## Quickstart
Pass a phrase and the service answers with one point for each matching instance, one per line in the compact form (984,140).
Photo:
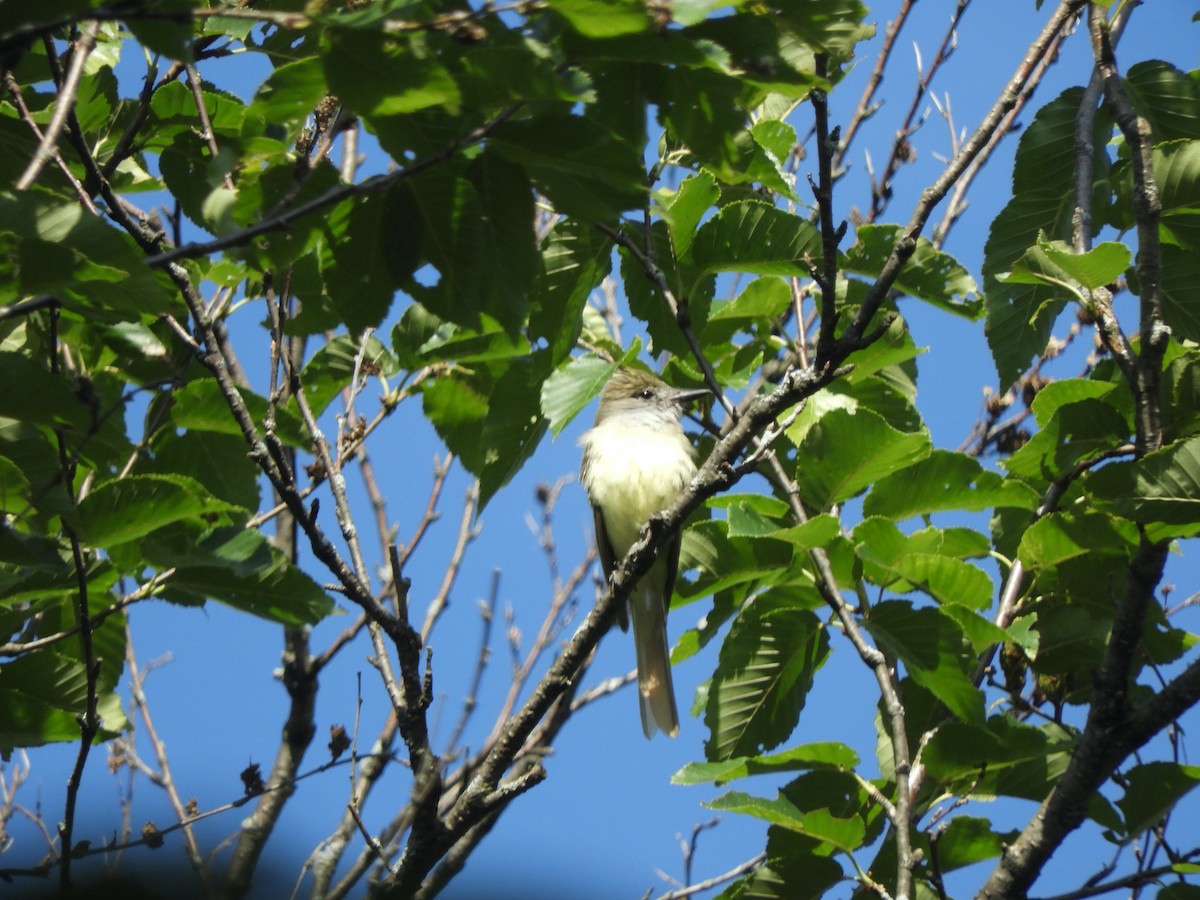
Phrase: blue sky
(607,817)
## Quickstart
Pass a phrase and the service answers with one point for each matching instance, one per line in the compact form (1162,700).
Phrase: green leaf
(967,840)
(929,275)
(944,481)
(702,110)
(381,75)
(420,338)
(1054,263)
(1058,394)
(217,461)
(1062,536)
(574,260)
(334,366)
(763,298)
(1167,97)
(457,410)
(240,568)
(1167,488)
(90,267)
(818,531)
(828,755)
(603,18)
(1018,759)
(779,811)
(845,452)
(1076,432)
(833,26)
(282,594)
(932,648)
(360,268)
(1177,171)
(1020,316)
(766,668)
(172,39)
(684,209)
(919,562)
(125,509)
(751,515)
(754,237)
(572,387)
(584,169)
(1180,291)
(200,405)
(1072,638)
(845,834)
(43,398)
(41,697)
(766,163)
(1152,790)
(475,226)
(290,92)
(796,866)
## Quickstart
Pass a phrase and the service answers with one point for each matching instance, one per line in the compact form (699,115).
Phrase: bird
(636,462)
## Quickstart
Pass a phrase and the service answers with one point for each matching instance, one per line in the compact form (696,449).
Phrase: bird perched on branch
(636,462)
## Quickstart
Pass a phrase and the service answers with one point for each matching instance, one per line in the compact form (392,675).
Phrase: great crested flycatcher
(636,462)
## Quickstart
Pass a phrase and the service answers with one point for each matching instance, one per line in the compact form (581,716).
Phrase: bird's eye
(645,393)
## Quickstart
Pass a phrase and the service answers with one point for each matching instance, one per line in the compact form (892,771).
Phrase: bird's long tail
(655,689)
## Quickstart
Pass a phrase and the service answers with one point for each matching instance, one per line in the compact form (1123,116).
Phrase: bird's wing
(670,554)
(608,562)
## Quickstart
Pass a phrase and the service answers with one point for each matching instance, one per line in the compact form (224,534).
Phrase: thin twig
(699,887)
(64,104)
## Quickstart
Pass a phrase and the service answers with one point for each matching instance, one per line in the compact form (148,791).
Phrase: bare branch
(64,105)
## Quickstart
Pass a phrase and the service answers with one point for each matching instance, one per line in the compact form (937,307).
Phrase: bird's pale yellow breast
(633,472)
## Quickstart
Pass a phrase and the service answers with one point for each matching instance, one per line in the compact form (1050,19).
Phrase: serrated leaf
(1167,489)
(603,18)
(932,648)
(1062,536)
(929,274)
(200,406)
(945,480)
(1167,97)
(125,509)
(38,396)
(382,75)
(574,260)
(333,367)
(844,453)
(968,839)
(1152,790)
(684,210)
(41,697)
(281,593)
(1180,291)
(1177,172)
(1054,263)
(290,92)
(779,811)
(754,237)
(1076,432)
(766,669)
(572,387)
(584,169)
(828,755)
(763,298)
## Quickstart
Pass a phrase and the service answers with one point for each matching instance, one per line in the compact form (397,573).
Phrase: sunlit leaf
(766,668)
(846,452)
(945,481)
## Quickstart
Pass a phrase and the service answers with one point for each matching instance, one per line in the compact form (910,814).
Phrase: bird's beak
(683,397)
